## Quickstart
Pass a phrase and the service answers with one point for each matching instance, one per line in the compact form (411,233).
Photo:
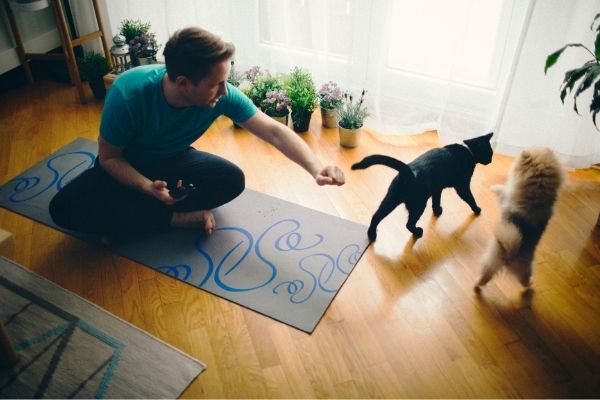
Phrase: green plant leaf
(552,58)
(590,76)
(594,21)
(595,104)
(571,77)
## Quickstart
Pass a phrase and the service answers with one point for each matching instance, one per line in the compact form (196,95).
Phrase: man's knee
(238,182)
(59,210)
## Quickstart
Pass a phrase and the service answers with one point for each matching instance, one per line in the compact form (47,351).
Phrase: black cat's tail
(382,160)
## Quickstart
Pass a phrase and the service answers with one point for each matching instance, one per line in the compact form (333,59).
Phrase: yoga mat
(272,256)
(69,347)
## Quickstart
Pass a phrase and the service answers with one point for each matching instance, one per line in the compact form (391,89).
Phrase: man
(151,116)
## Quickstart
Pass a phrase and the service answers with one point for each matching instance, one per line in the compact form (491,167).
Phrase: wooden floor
(405,324)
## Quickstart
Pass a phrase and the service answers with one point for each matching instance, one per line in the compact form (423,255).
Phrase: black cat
(427,176)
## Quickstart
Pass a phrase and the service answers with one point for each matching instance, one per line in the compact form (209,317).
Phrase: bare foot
(194,219)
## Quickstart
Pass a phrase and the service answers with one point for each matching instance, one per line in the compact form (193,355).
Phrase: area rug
(273,256)
(68,347)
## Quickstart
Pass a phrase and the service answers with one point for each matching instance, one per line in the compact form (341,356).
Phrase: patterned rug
(69,347)
(269,255)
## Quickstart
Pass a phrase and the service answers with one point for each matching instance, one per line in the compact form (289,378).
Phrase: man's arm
(294,148)
(111,159)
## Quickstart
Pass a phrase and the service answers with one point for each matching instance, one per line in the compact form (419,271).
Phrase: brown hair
(193,51)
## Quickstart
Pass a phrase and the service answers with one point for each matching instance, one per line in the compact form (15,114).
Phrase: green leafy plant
(588,73)
(352,113)
(142,42)
(92,66)
(262,85)
(300,89)
(130,28)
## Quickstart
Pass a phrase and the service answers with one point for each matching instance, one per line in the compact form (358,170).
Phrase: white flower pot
(329,117)
(349,137)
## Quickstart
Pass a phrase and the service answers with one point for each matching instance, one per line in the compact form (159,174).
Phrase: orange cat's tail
(378,159)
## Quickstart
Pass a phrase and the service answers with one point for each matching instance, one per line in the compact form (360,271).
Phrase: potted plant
(330,98)
(589,72)
(276,105)
(261,85)
(142,43)
(235,77)
(300,89)
(352,115)
(92,68)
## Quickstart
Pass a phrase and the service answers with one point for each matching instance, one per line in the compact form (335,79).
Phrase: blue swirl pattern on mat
(26,187)
(316,270)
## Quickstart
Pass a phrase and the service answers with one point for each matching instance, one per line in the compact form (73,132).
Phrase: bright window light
(449,40)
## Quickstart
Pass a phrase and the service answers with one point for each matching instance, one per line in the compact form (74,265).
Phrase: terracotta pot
(329,117)
(349,137)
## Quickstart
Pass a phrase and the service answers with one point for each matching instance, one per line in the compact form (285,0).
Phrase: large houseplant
(300,88)
(588,73)
(352,114)
(92,68)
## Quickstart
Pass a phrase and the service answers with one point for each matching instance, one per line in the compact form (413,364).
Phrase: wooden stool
(67,44)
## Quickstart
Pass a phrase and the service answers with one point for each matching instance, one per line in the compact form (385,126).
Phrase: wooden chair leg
(18,41)
(68,48)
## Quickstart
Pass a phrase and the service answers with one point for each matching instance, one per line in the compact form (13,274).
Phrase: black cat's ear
(489,136)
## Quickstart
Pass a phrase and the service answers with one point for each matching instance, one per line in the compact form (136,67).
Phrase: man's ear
(182,81)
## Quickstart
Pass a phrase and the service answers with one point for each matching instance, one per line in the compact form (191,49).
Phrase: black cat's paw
(476,210)
(372,234)
(417,232)
(437,211)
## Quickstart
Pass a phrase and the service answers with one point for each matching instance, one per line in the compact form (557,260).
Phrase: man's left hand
(331,175)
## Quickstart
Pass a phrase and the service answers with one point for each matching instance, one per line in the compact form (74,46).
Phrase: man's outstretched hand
(331,175)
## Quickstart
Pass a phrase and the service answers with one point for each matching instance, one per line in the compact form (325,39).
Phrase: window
(449,40)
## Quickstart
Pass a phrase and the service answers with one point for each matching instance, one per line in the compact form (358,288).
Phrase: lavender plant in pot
(352,114)
(235,78)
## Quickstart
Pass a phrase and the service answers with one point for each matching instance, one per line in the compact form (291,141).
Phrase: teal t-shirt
(136,115)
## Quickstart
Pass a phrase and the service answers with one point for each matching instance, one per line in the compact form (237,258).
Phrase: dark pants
(96,203)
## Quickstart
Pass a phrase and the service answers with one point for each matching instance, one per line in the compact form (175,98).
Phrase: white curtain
(534,114)
(463,67)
